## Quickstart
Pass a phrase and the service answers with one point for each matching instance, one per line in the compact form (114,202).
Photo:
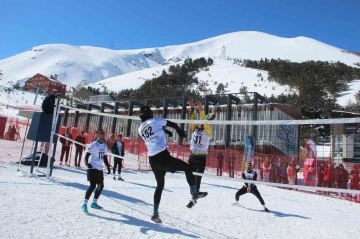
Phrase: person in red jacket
(291,173)
(320,172)
(355,178)
(220,164)
(342,177)
(79,148)
(65,149)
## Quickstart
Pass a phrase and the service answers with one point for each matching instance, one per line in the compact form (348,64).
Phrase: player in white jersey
(96,155)
(250,174)
(199,145)
(152,132)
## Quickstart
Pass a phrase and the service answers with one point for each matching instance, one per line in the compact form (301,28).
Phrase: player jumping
(153,134)
(199,145)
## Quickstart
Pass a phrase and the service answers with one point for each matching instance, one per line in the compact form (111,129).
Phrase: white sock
(95,200)
(264,206)
(86,201)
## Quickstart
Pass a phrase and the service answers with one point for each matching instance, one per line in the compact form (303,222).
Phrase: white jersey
(199,142)
(97,151)
(152,132)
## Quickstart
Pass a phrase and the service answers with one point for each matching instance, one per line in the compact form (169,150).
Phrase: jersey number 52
(147,133)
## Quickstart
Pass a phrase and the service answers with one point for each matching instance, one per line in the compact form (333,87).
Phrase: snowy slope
(73,64)
(222,71)
(35,207)
(84,63)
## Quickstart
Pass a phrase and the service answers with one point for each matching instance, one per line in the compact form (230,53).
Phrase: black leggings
(98,190)
(254,191)
(163,162)
(198,164)
(117,163)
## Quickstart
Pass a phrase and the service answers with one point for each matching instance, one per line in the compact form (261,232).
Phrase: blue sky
(150,23)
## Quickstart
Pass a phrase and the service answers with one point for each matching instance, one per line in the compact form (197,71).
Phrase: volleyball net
(315,155)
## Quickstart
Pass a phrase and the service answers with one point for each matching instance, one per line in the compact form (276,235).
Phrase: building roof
(50,79)
(343,114)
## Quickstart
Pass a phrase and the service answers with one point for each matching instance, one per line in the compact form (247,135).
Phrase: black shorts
(95,176)
(198,161)
(163,161)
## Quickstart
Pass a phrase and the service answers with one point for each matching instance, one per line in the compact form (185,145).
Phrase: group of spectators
(12,133)
(331,176)
(279,170)
(80,140)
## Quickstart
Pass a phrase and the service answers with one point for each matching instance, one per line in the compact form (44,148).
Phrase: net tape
(232,122)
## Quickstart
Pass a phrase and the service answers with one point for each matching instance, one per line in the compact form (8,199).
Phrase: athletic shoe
(267,210)
(191,203)
(95,206)
(84,209)
(202,194)
(120,178)
(114,178)
(156,218)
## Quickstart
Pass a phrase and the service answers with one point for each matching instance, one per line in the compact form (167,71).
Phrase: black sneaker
(155,218)
(120,178)
(202,194)
(114,178)
(191,203)
(267,210)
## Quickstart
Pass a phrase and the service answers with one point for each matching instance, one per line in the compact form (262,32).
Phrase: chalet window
(338,150)
(357,146)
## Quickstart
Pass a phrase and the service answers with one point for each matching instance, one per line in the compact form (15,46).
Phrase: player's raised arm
(210,116)
(192,113)
(182,133)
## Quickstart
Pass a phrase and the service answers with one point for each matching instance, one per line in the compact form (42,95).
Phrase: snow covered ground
(34,207)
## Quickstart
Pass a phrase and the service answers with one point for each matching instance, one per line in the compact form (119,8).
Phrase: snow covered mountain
(128,68)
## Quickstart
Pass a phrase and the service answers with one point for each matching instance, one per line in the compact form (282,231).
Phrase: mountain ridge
(74,64)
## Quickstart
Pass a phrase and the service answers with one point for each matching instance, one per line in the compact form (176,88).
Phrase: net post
(255,118)
(114,120)
(209,99)
(132,103)
(165,108)
(52,144)
(230,100)
(87,119)
(101,119)
(183,114)
(33,157)
(66,116)
(130,113)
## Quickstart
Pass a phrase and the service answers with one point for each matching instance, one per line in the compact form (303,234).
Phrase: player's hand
(181,133)
(89,165)
(169,133)
(191,102)
(249,189)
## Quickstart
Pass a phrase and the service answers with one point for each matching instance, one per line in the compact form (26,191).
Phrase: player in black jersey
(250,174)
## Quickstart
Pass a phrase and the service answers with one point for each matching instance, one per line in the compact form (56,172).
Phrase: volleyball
(210,116)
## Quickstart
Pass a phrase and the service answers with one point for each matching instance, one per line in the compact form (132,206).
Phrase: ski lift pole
(53,129)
